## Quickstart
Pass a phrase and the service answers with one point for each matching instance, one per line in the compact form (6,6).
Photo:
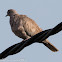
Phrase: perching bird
(25,28)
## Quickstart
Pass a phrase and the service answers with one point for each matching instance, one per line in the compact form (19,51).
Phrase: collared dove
(24,27)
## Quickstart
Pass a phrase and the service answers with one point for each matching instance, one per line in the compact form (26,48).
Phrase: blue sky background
(47,14)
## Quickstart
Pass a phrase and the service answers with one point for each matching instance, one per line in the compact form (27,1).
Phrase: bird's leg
(27,38)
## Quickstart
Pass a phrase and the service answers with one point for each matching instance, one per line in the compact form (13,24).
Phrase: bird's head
(11,12)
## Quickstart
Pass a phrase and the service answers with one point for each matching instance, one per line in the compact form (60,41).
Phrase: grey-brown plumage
(24,27)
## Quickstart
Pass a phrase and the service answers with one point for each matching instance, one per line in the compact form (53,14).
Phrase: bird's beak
(6,15)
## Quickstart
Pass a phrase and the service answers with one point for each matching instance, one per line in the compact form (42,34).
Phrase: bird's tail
(50,46)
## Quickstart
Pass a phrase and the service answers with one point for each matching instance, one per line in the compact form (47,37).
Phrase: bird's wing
(30,27)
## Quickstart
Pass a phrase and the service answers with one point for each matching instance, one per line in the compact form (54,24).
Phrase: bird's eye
(8,11)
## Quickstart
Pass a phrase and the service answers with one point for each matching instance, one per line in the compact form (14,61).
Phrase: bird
(25,27)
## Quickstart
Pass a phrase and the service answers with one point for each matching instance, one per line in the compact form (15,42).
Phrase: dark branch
(40,36)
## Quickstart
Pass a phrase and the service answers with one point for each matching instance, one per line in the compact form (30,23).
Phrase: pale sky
(47,14)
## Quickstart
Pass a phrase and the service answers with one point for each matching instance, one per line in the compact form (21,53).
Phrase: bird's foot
(26,39)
